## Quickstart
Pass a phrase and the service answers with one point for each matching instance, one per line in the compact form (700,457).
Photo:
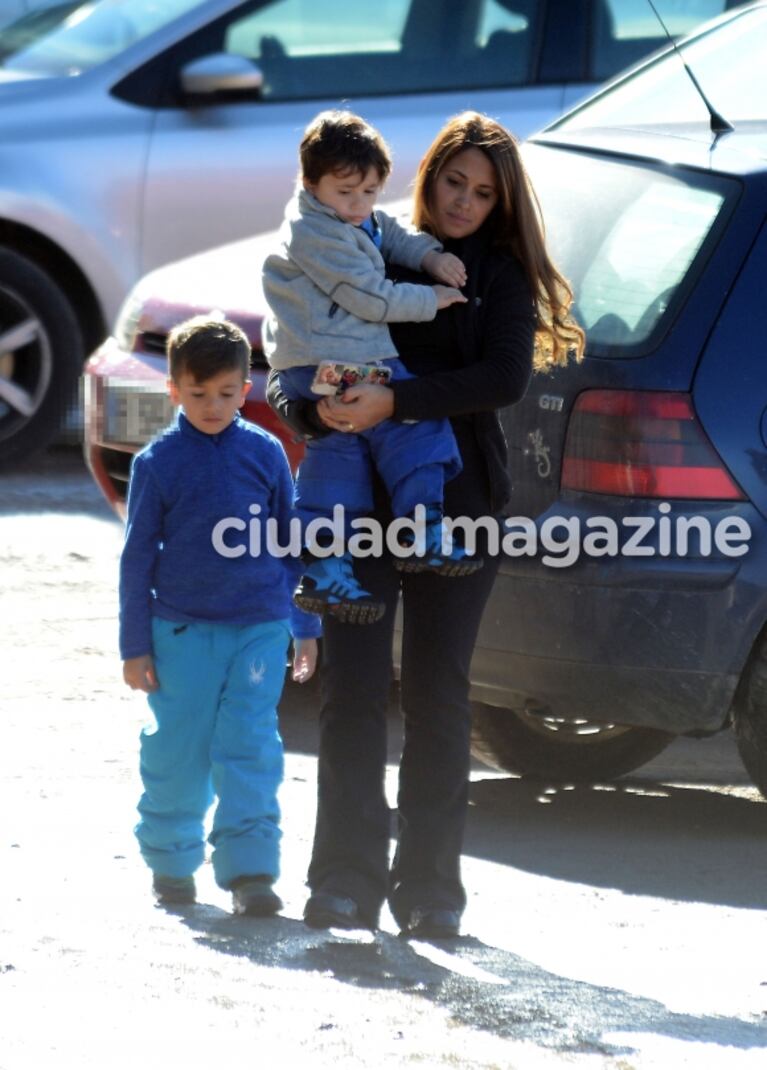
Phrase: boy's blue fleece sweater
(181,486)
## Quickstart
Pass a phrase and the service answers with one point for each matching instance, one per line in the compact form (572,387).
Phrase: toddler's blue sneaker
(431,556)
(329,586)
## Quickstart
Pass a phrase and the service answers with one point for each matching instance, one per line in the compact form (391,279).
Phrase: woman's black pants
(350,857)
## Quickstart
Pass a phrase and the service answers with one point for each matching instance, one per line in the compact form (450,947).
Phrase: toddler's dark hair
(339,142)
(204,346)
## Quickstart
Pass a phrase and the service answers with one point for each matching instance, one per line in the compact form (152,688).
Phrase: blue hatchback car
(643,612)
(631,605)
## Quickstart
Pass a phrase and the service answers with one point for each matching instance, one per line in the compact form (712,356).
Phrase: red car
(126,401)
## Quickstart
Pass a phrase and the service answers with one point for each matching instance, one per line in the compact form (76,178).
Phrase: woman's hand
(357,409)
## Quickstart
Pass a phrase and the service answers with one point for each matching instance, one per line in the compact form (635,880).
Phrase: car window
(729,65)
(325,48)
(627,237)
(24,31)
(627,30)
(77,40)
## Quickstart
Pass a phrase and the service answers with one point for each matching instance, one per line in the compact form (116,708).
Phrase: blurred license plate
(134,412)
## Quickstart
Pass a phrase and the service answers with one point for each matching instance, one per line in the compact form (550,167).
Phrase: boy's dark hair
(338,142)
(203,346)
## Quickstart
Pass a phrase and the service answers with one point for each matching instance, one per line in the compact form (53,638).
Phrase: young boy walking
(330,302)
(205,627)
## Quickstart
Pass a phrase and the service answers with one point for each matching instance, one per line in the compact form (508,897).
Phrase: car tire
(41,357)
(554,748)
(750,708)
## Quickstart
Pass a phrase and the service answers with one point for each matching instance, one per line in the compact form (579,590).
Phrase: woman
(471,193)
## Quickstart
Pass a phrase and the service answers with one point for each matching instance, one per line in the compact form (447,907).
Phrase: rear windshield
(630,238)
(728,62)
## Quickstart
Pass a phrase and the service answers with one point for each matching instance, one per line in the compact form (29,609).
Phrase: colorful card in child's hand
(333,377)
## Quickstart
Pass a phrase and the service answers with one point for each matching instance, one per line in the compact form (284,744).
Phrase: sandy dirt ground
(618,925)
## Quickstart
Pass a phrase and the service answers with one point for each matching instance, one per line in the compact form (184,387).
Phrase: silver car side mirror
(221,72)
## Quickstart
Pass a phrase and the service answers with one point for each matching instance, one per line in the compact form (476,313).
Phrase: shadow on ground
(480,986)
(639,836)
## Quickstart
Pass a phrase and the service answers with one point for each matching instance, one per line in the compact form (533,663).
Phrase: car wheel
(751,717)
(534,745)
(41,356)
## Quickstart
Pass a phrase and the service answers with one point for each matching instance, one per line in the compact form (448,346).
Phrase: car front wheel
(554,747)
(751,717)
(41,356)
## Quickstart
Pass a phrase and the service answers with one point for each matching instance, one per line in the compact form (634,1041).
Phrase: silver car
(134,132)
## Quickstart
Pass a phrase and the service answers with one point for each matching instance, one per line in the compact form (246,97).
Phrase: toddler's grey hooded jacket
(327,291)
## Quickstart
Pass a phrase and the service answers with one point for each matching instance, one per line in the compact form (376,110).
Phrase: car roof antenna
(719,125)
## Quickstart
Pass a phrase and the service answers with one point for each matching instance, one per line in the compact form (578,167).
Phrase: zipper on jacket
(333,310)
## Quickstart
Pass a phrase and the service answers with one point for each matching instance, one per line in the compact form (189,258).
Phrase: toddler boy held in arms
(330,301)
(206,634)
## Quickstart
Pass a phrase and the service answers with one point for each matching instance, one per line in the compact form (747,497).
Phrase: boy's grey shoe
(174,890)
(255,897)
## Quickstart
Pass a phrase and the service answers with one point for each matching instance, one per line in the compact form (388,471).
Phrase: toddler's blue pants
(215,735)
(414,460)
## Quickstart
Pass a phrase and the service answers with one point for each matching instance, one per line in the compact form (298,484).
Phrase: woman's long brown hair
(516,224)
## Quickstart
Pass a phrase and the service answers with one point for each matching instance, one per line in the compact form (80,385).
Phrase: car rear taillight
(642,445)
